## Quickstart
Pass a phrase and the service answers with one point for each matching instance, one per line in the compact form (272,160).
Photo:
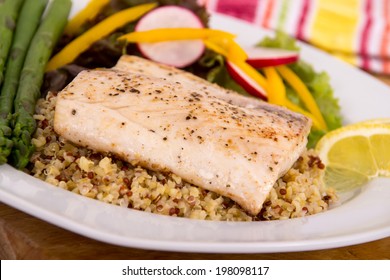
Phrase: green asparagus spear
(9,11)
(28,21)
(31,79)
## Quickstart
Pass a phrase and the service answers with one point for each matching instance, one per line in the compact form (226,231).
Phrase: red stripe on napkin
(385,45)
(268,14)
(302,20)
(366,35)
(244,10)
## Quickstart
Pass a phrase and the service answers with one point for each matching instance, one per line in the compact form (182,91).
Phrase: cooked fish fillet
(237,148)
(136,64)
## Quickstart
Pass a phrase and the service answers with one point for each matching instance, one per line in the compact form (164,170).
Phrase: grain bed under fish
(300,192)
(216,139)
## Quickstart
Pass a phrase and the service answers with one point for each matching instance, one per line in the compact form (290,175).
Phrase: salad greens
(210,66)
(318,83)
(320,88)
(280,40)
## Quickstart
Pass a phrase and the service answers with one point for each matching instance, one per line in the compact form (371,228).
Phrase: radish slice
(265,57)
(250,85)
(175,53)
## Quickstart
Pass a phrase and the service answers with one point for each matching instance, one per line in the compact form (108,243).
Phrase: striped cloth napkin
(357,31)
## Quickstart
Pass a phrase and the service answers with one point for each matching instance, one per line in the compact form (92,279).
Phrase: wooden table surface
(25,237)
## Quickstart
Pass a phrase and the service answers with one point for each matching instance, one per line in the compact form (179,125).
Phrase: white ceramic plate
(363,216)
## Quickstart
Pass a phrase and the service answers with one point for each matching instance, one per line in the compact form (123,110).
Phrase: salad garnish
(71,51)
(104,30)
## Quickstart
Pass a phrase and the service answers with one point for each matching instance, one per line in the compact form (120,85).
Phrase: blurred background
(357,31)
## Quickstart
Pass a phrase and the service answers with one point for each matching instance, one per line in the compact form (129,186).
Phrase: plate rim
(185,246)
(201,247)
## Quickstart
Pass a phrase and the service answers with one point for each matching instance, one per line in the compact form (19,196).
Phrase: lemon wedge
(356,153)
(376,121)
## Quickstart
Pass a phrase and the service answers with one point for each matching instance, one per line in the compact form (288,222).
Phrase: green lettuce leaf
(280,41)
(318,84)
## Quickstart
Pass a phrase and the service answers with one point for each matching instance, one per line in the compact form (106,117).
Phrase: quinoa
(102,176)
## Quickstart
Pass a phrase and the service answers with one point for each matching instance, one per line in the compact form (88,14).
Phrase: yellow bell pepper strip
(296,108)
(277,90)
(234,53)
(231,50)
(303,93)
(277,95)
(89,12)
(173,34)
(71,51)
(215,47)
(219,41)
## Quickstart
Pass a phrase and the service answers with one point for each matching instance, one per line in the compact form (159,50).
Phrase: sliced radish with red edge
(250,85)
(175,53)
(259,57)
